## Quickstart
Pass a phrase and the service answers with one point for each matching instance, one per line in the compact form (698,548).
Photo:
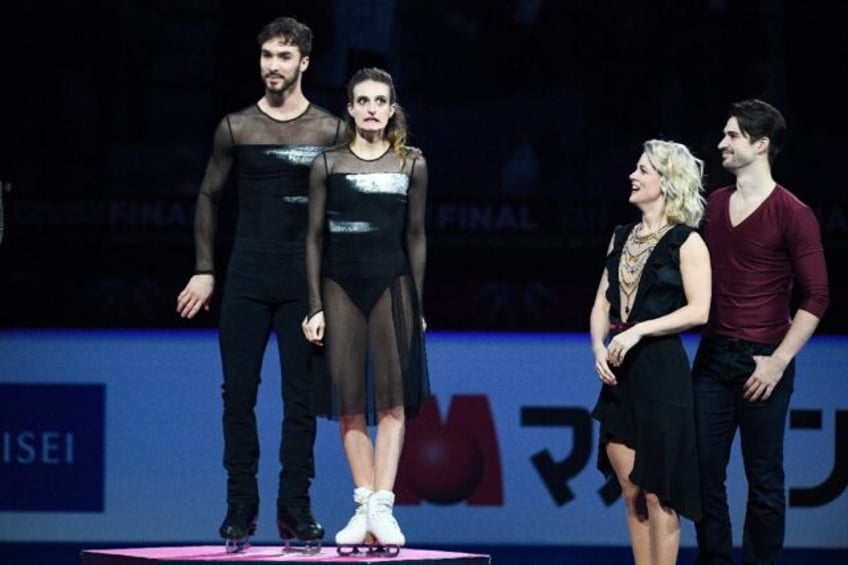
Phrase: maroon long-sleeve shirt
(758,264)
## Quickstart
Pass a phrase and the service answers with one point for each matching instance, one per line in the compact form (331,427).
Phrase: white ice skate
(382,523)
(355,536)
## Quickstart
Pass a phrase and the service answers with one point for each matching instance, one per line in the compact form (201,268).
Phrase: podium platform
(211,554)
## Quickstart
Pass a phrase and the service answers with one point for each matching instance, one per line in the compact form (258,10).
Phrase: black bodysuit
(366,253)
(265,288)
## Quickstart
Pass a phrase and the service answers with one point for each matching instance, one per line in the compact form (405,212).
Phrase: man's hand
(764,379)
(195,295)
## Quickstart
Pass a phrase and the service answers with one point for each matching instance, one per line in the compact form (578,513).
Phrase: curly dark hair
(291,30)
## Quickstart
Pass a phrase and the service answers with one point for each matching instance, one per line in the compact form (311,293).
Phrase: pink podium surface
(269,554)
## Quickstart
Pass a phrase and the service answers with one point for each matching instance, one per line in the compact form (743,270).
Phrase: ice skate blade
(236,545)
(307,547)
(368,549)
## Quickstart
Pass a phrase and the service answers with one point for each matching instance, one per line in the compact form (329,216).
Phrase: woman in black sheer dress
(365,255)
(656,284)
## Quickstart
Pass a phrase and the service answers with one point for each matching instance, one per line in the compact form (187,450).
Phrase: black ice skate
(297,522)
(238,526)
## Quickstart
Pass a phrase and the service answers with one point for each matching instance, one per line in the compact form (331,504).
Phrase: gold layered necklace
(634,255)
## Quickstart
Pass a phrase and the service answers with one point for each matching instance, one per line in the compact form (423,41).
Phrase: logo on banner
(451,461)
(51,447)
(836,482)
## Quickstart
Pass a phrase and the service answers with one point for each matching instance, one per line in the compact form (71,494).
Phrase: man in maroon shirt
(766,250)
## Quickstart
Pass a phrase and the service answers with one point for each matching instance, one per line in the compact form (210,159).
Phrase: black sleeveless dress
(651,409)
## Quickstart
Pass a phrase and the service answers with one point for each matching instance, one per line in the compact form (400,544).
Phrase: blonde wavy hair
(681,180)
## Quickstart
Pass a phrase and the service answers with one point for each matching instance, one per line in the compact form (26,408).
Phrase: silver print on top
(296,154)
(337,226)
(383,183)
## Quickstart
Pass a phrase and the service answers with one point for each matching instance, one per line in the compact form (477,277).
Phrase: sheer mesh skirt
(376,355)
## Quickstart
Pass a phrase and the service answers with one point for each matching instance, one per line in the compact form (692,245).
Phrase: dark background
(531,114)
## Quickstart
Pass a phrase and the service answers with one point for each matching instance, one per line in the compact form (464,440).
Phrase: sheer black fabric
(273,159)
(651,409)
(265,288)
(366,254)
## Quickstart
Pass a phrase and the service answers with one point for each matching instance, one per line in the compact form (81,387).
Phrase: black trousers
(721,367)
(265,291)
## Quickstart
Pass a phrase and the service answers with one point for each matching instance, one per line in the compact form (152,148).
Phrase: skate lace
(359,514)
(385,511)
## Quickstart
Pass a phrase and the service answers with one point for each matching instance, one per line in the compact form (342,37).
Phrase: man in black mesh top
(271,145)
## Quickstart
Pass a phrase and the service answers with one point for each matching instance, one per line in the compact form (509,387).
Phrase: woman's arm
(697,285)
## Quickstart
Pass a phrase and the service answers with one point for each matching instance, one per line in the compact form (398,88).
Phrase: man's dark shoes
(239,525)
(298,522)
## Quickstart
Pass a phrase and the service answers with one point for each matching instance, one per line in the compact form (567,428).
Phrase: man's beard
(283,86)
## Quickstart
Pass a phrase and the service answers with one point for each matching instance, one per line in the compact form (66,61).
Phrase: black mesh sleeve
(209,196)
(315,230)
(416,237)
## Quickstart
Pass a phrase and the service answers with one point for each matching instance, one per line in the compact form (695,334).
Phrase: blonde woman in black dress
(365,256)
(656,284)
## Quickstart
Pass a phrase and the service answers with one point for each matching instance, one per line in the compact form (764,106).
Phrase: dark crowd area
(531,114)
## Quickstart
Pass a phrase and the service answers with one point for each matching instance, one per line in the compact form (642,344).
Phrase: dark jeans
(264,292)
(721,367)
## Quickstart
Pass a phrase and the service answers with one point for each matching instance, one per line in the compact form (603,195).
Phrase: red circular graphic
(444,465)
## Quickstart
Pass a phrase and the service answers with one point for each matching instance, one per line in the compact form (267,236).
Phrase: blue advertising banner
(51,447)
(507,441)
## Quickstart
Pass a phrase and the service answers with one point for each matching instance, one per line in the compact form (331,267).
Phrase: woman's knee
(396,414)
(629,492)
(655,505)
(652,500)
(352,423)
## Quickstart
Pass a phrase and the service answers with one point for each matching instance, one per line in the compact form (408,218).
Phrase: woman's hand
(313,328)
(621,344)
(602,367)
